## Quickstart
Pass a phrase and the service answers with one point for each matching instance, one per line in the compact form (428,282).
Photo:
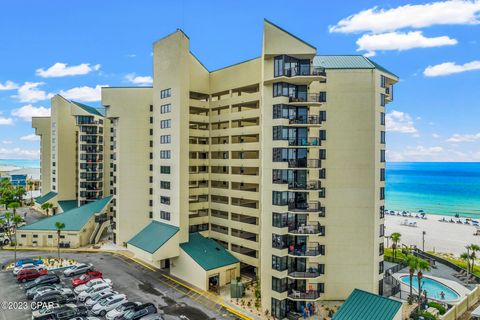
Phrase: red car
(86,277)
(30,274)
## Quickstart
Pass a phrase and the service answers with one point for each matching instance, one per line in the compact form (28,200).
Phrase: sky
(74,48)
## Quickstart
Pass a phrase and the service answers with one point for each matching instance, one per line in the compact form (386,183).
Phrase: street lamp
(423,240)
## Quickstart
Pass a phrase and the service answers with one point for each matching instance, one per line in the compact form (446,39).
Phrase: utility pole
(423,240)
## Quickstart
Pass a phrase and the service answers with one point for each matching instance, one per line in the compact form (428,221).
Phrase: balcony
(303,295)
(304,163)
(304,142)
(298,74)
(305,251)
(304,206)
(305,70)
(312,272)
(310,97)
(306,229)
(305,120)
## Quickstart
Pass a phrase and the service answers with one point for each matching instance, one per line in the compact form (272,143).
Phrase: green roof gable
(45,197)
(361,305)
(89,109)
(67,205)
(348,62)
(74,219)
(207,252)
(153,236)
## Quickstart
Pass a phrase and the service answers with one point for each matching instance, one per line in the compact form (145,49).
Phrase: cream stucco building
(279,159)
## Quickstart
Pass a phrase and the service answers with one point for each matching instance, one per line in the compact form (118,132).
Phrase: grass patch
(401,256)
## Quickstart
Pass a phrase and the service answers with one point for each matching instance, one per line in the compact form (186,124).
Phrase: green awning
(45,198)
(153,236)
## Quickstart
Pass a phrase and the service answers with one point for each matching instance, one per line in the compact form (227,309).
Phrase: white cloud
(8,85)
(7,141)
(398,121)
(140,80)
(131,55)
(435,135)
(85,93)
(418,153)
(29,92)
(28,111)
(459,12)
(400,41)
(60,69)
(447,68)
(30,137)
(17,153)
(464,137)
(5,121)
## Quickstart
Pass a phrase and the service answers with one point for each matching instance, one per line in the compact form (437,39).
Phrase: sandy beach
(440,236)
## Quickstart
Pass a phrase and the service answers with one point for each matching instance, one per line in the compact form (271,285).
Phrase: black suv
(138,312)
(46,279)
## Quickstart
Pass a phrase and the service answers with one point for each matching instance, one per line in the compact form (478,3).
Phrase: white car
(26,266)
(79,268)
(84,295)
(106,304)
(96,298)
(121,309)
(90,284)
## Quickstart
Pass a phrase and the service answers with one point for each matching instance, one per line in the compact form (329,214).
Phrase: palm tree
(47,206)
(14,206)
(7,222)
(395,240)
(60,226)
(412,263)
(16,220)
(422,265)
(31,184)
(473,255)
(466,257)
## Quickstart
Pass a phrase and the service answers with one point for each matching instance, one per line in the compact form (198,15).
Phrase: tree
(465,256)
(59,226)
(14,206)
(31,184)
(47,206)
(18,193)
(473,248)
(422,266)
(7,221)
(412,263)
(15,221)
(395,240)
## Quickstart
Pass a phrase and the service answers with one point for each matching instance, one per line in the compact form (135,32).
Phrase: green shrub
(428,315)
(441,309)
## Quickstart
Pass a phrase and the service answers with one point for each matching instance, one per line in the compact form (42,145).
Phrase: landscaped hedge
(441,309)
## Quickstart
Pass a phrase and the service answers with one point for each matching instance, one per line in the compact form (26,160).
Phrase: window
(165,139)
(323,135)
(382,193)
(382,137)
(381,249)
(382,212)
(322,96)
(323,115)
(322,154)
(165,185)
(165,93)
(166,108)
(165,215)
(165,200)
(382,81)
(382,118)
(380,267)
(165,154)
(50,236)
(151,110)
(382,155)
(279,285)
(279,308)
(164,124)
(165,169)
(279,263)
(382,100)
(382,174)
(382,230)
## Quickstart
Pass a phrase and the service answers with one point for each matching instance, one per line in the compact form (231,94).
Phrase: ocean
(445,188)
(10,164)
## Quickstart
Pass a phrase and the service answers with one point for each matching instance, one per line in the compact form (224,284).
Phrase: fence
(389,285)
(457,310)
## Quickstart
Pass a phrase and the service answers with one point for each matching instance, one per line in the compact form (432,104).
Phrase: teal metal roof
(74,219)
(361,305)
(207,252)
(348,62)
(45,197)
(153,236)
(89,109)
(67,205)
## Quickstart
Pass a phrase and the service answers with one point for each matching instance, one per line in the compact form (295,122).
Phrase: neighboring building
(362,305)
(280,159)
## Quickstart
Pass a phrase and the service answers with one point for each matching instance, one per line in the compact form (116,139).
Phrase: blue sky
(54,47)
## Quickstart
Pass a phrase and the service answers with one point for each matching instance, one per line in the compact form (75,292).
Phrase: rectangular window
(165,169)
(279,285)
(165,154)
(382,193)
(382,118)
(380,267)
(150,215)
(382,137)
(164,124)
(165,93)
(382,230)
(165,200)
(164,139)
(381,249)
(382,155)
(165,185)
(323,135)
(165,215)
(279,263)
(323,115)
(322,96)
(166,108)
(382,100)
(382,212)
(382,174)
(382,81)
(322,154)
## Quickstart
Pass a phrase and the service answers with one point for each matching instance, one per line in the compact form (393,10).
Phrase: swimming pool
(433,288)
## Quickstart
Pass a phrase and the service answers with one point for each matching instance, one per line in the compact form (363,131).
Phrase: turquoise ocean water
(20,163)
(445,188)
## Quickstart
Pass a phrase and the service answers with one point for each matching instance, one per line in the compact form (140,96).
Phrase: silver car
(79,268)
(106,304)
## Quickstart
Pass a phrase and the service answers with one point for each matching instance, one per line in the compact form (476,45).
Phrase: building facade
(279,159)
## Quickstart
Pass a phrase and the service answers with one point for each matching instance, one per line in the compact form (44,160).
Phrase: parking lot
(129,278)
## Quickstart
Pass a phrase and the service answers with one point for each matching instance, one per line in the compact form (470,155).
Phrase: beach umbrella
(391,211)
(420,211)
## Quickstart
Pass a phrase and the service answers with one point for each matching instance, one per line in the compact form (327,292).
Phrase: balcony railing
(304,163)
(311,97)
(305,70)
(304,142)
(310,273)
(305,120)
(302,251)
(304,206)
(308,295)
(302,229)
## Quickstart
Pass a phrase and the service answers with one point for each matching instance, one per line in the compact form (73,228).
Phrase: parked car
(106,304)
(85,318)
(58,298)
(153,316)
(46,293)
(33,261)
(79,268)
(84,295)
(42,288)
(86,277)
(30,274)
(25,266)
(64,312)
(50,278)
(93,300)
(121,309)
(138,312)
(4,240)
(91,283)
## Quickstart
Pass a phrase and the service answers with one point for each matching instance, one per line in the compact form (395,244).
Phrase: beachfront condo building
(271,168)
